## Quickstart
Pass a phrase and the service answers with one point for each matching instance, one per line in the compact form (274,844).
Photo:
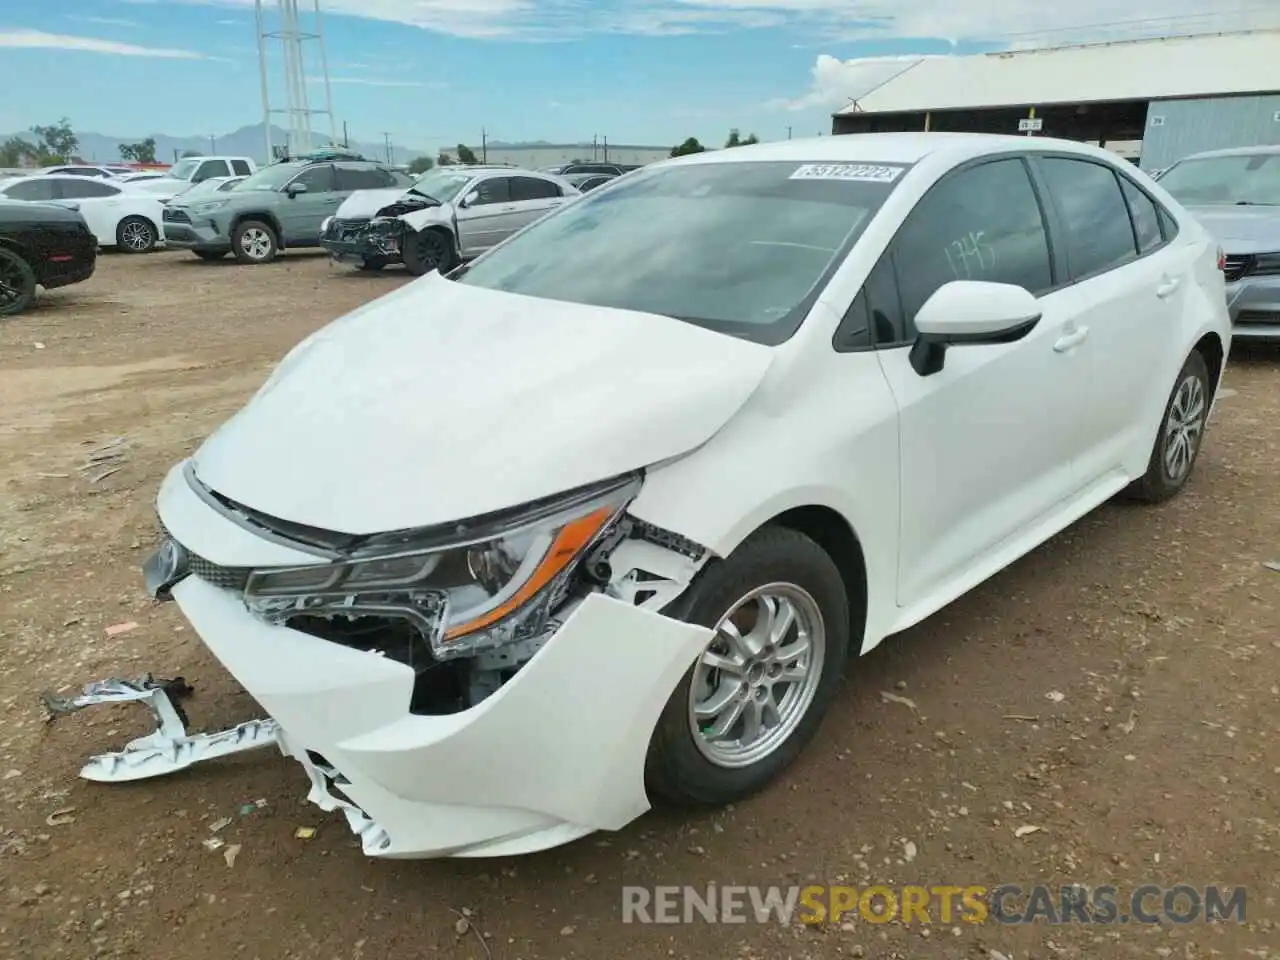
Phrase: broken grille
(1237,266)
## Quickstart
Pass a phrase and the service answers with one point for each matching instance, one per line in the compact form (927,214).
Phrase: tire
(136,235)
(211,254)
(428,250)
(687,768)
(1183,424)
(254,242)
(17,283)
(372,264)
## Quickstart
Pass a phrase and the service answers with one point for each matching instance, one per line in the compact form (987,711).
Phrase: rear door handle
(1168,287)
(1071,340)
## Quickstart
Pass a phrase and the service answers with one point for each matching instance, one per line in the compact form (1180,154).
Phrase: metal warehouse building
(1177,95)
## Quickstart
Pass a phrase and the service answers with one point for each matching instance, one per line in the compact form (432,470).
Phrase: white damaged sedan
(598,519)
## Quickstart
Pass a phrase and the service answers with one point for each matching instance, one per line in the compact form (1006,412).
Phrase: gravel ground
(1116,689)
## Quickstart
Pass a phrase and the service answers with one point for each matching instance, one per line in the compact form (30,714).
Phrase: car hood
(1240,229)
(363,204)
(442,401)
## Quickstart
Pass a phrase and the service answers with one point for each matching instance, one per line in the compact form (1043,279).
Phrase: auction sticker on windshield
(863,172)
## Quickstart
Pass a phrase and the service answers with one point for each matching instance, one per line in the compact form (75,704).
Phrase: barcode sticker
(861,172)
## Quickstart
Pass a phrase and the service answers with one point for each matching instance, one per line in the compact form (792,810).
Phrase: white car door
(1130,284)
(488,217)
(987,444)
(99,203)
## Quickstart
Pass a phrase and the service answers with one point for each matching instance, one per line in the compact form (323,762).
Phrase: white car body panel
(417,219)
(366,203)
(443,401)
(668,386)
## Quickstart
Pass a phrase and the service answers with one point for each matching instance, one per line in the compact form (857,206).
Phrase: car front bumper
(195,236)
(556,753)
(1254,305)
(355,242)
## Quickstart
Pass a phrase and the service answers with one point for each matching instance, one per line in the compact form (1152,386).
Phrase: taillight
(1222,260)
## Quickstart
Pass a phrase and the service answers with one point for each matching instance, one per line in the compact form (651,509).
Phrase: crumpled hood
(1241,229)
(442,401)
(363,204)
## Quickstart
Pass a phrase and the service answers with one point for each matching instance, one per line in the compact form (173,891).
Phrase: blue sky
(434,72)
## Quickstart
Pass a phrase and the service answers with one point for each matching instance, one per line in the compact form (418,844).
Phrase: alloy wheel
(756,680)
(1184,427)
(136,235)
(256,243)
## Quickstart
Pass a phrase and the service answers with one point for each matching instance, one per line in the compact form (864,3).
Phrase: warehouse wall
(1176,128)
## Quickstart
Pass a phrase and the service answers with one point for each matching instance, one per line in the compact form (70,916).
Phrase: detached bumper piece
(170,748)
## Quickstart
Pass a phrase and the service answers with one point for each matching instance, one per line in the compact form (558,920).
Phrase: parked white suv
(599,517)
(193,170)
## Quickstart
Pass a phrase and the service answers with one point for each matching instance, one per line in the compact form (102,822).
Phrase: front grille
(1257,316)
(347,229)
(170,215)
(227,578)
(1238,266)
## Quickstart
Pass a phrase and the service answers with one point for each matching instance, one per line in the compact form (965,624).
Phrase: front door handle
(1071,340)
(1168,287)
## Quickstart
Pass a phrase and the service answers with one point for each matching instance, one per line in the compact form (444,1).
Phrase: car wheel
(426,251)
(253,241)
(17,283)
(373,264)
(1181,434)
(211,254)
(756,695)
(137,235)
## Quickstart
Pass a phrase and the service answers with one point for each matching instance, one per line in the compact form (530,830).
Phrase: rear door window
(1095,216)
(41,188)
(532,188)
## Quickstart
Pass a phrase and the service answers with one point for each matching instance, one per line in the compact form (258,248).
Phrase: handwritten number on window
(970,256)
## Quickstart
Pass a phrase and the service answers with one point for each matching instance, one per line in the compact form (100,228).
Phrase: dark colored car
(589,181)
(41,245)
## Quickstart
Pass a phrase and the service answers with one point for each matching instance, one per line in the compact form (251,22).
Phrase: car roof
(905,148)
(60,176)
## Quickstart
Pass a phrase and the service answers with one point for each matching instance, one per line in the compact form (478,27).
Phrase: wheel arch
(154,224)
(267,217)
(1210,347)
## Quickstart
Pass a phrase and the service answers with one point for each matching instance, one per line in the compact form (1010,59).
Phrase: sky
(437,72)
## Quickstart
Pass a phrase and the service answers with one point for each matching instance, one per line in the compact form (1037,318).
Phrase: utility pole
(595,137)
(386,139)
(606,149)
(484,145)
(213,144)
(345,142)
(788,133)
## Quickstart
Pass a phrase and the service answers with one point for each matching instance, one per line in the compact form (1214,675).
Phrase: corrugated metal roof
(1090,73)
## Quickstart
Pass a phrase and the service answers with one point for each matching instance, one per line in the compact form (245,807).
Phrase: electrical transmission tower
(298,110)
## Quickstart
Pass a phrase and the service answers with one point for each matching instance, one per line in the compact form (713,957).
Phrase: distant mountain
(246,142)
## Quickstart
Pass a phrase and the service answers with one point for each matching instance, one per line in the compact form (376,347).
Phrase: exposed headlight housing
(494,583)
(324,226)
(1266,263)
(208,206)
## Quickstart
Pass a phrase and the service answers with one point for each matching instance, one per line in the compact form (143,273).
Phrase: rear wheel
(428,250)
(255,242)
(17,283)
(137,235)
(757,694)
(1181,433)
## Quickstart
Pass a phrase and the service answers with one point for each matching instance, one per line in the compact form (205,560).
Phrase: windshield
(442,185)
(271,178)
(202,188)
(739,247)
(1246,178)
(183,169)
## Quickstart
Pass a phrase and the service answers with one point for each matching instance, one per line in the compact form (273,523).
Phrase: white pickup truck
(192,170)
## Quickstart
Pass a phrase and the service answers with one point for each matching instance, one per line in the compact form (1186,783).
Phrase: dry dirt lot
(1117,689)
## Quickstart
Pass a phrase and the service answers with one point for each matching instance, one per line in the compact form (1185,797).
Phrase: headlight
(208,206)
(324,226)
(484,587)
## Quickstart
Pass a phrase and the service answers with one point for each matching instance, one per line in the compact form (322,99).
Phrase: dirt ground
(1117,689)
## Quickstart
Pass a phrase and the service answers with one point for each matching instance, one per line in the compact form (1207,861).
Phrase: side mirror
(295,188)
(469,199)
(970,313)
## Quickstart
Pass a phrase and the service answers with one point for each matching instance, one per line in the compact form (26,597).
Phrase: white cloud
(106,21)
(372,82)
(836,82)
(39,40)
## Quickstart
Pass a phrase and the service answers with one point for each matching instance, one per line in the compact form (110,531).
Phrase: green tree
(466,154)
(444,160)
(689,146)
(144,151)
(421,165)
(56,143)
(736,140)
(16,152)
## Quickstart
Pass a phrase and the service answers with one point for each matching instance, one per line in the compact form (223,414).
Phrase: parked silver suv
(450,214)
(1236,195)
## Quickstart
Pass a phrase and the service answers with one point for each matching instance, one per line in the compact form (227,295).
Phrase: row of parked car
(371,216)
